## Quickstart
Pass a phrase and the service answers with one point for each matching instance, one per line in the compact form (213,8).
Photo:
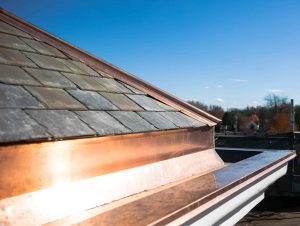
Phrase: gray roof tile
(85,82)
(16,97)
(102,122)
(157,120)
(13,42)
(136,91)
(47,62)
(61,123)
(181,120)
(15,57)
(15,75)
(132,121)
(50,78)
(58,83)
(164,106)
(92,100)
(43,48)
(122,102)
(86,69)
(55,98)
(74,68)
(146,102)
(17,126)
(111,85)
(6,28)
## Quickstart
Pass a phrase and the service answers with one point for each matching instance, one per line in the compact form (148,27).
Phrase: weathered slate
(85,82)
(43,48)
(157,120)
(13,42)
(50,78)
(122,101)
(181,120)
(14,57)
(15,75)
(47,62)
(6,28)
(61,123)
(92,100)
(55,98)
(102,123)
(18,126)
(132,121)
(146,102)
(12,96)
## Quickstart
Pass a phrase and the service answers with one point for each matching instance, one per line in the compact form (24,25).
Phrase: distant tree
(198,105)
(275,101)
(216,111)
(280,122)
(228,120)
(297,116)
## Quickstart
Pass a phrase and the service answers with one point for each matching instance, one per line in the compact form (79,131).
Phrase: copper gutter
(205,192)
(110,69)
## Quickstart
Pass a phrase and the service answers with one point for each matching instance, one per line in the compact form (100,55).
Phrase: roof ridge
(116,72)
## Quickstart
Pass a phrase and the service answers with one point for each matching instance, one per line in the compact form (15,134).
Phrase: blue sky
(230,53)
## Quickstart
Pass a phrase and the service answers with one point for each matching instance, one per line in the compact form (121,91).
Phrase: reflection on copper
(165,206)
(146,210)
(30,167)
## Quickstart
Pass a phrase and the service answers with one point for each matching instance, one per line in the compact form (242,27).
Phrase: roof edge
(114,71)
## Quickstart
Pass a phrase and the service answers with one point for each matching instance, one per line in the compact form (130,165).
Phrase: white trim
(236,207)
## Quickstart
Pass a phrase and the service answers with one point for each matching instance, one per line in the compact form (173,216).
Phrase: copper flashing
(209,190)
(110,69)
(31,167)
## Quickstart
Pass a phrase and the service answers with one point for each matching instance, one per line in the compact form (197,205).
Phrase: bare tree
(274,101)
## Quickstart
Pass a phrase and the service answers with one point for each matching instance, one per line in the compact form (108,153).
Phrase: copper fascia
(30,167)
(99,64)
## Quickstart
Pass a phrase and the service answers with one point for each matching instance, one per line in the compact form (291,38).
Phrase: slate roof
(47,94)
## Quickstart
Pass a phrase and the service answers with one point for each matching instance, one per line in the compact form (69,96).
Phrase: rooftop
(47,93)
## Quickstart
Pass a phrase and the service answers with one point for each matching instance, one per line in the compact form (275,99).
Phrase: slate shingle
(47,62)
(132,121)
(43,48)
(102,123)
(85,68)
(111,85)
(146,102)
(12,96)
(181,120)
(136,91)
(85,82)
(17,126)
(164,106)
(15,75)
(122,101)
(74,68)
(37,66)
(55,98)
(92,100)
(50,78)
(6,28)
(157,120)
(14,57)
(61,123)
(13,42)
